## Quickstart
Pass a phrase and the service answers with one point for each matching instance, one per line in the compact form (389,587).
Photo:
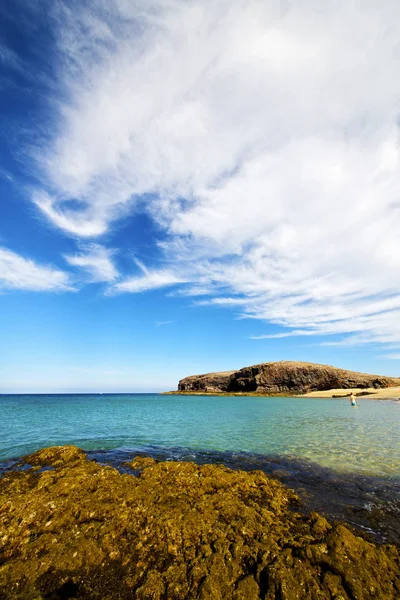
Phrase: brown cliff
(284,377)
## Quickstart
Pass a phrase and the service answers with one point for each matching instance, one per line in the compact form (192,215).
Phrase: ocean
(328,432)
(338,457)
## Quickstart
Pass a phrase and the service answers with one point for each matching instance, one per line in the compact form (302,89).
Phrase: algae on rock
(177,531)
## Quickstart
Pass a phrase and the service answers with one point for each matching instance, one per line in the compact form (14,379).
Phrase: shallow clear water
(328,432)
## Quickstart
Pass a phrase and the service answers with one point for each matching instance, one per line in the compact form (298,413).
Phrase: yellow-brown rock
(178,531)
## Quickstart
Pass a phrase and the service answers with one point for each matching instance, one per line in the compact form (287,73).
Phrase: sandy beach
(372,393)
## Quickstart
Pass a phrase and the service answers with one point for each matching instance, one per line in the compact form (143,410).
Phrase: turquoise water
(328,432)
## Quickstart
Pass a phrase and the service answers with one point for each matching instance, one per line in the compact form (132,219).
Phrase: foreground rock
(177,531)
(283,377)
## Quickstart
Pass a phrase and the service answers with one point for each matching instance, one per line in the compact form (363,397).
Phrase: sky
(196,185)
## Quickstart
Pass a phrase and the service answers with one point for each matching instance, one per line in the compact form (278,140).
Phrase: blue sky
(196,186)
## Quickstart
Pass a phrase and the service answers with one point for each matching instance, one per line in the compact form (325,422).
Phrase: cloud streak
(150,281)
(96,261)
(262,141)
(19,273)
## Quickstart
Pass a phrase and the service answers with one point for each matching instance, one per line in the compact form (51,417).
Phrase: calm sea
(343,461)
(327,432)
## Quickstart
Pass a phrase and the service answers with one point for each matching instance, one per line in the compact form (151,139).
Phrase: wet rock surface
(283,377)
(178,530)
(370,504)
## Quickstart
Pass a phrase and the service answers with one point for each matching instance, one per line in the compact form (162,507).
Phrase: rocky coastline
(283,378)
(73,528)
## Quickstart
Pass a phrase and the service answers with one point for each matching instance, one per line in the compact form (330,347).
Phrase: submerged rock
(283,377)
(176,532)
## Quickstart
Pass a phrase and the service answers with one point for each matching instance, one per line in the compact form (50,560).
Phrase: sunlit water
(327,432)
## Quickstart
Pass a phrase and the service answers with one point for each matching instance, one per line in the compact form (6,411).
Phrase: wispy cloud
(150,281)
(9,58)
(162,323)
(263,141)
(85,223)
(96,261)
(278,336)
(20,273)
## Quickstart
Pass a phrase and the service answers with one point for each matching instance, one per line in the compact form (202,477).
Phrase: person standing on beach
(353,400)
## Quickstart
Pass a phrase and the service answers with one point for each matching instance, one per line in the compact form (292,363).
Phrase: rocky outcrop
(178,531)
(283,377)
(210,382)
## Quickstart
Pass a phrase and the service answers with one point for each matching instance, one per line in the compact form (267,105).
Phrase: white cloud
(96,261)
(20,273)
(149,281)
(261,137)
(82,222)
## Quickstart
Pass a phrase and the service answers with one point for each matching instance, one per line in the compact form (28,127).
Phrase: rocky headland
(72,528)
(283,377)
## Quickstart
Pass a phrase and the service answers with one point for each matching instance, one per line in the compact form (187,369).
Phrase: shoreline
(201,393)
(391,393)
(362,393)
